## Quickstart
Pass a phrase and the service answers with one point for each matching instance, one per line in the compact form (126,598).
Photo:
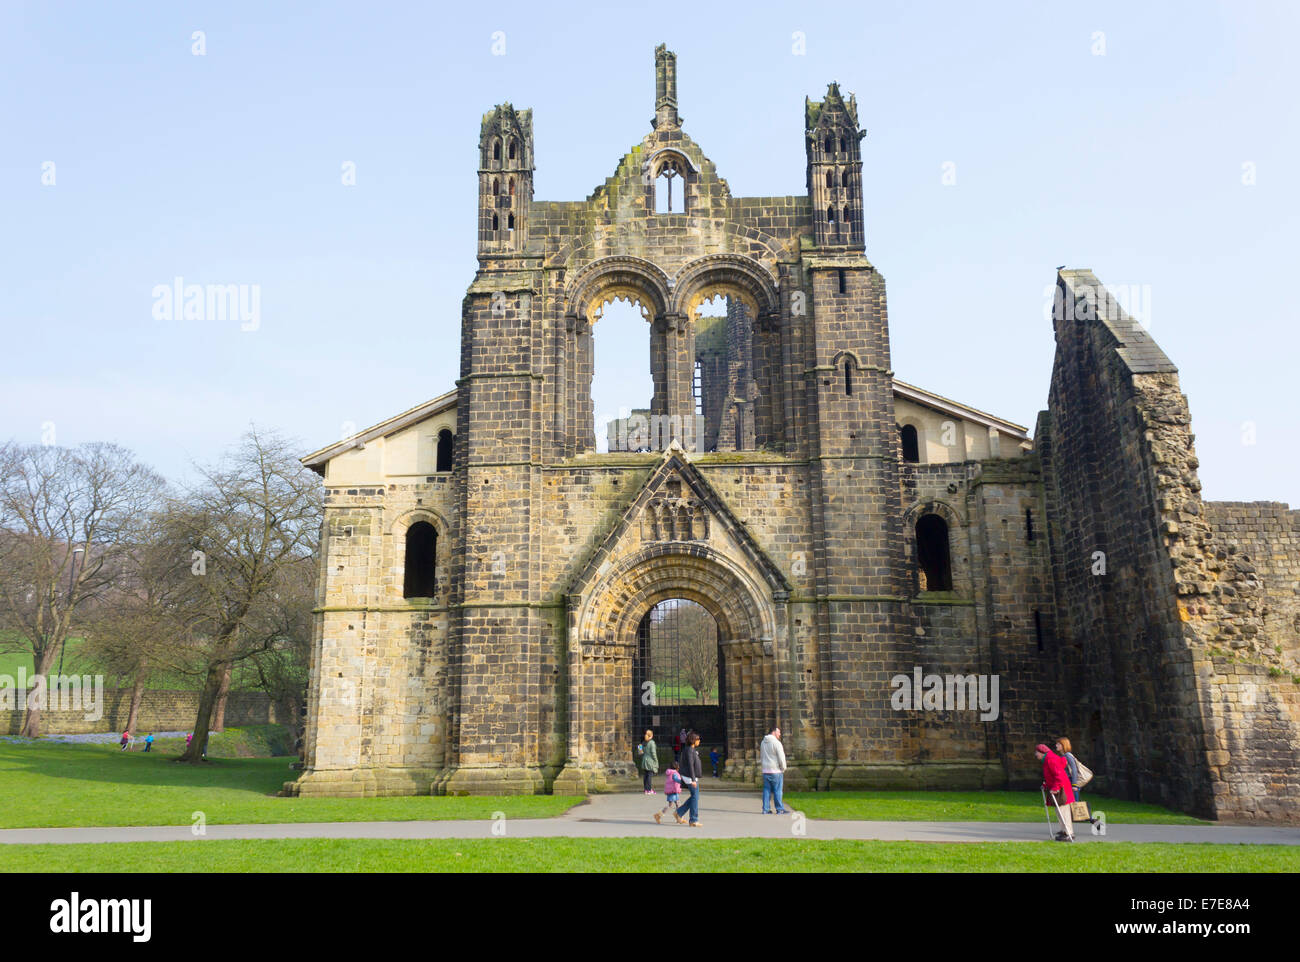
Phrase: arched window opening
(843,146)
(512,187)
(445,441)
(496,223)
(670,174)
(512,149)
(510,222)
(496,186)
(911,447)
(933,555)
(843,281)
(830,178)
(827,145)
(496,150)
(421,561)
(846,216)
(848,378)
(616,368)
(830,215)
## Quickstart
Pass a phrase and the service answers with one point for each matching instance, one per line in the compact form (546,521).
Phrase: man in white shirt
(772,760)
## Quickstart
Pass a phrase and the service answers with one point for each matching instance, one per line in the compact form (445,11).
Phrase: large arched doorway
(678,674)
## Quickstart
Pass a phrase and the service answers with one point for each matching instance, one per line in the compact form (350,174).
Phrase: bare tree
(65,515)
(245,532)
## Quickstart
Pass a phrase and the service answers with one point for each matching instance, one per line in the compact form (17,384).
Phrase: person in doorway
(691,771)
(772,761)
(1056,781)
(678,745)
(647,759)
(714,758)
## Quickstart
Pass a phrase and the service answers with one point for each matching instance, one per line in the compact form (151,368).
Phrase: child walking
(672,789)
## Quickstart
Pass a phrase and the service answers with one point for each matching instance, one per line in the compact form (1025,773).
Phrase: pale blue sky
(226,168)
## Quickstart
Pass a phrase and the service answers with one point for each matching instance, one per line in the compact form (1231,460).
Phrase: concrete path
(722,815)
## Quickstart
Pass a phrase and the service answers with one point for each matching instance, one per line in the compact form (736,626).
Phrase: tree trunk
(137,695)
(207,701)
(32,721)
(219,710)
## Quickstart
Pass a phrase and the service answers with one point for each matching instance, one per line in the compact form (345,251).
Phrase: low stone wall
(159,711)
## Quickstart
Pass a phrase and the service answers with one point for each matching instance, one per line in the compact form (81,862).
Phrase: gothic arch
(731,275)
(613,277)
(615,603)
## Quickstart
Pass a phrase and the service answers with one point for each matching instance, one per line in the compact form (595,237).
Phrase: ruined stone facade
(842,527)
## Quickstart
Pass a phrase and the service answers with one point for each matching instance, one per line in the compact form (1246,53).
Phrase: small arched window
(510,222)
(847,219)
(669,174)
(512,149)
(496,224)
(848,378)
(911,448)
(496,150)
(828,145)
(421,561)
(496,186)
(830,215)
(933,555)
(830,178)
(843,146)
(445,446)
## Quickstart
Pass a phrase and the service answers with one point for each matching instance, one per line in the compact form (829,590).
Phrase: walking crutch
(1046,814)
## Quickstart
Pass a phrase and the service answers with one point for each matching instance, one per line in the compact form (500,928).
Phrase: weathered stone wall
(1144,592)
(159,711)
(1265,536)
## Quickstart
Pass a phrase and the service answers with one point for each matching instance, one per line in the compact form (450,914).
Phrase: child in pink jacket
(672,789)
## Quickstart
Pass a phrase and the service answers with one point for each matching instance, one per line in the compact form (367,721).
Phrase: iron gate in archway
(678,677)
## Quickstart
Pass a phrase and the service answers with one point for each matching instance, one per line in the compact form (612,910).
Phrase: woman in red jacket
(1057,781)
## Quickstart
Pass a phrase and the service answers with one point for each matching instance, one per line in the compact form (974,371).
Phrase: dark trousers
(645,778)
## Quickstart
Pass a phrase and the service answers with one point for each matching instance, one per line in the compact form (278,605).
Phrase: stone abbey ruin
(786,528)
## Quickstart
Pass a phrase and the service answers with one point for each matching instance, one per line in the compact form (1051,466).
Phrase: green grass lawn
(47,784)
(967,807)
(641,855)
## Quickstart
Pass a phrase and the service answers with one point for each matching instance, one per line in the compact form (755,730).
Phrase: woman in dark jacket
(691,771)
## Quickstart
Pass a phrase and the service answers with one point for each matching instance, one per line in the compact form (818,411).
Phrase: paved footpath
(722,815)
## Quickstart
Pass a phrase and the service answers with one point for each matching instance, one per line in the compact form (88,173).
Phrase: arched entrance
(677,674)
(608,625)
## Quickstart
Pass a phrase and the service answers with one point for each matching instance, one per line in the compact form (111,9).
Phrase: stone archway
(602,649)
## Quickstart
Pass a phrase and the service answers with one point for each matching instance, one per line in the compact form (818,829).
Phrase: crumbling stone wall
(1145,594)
